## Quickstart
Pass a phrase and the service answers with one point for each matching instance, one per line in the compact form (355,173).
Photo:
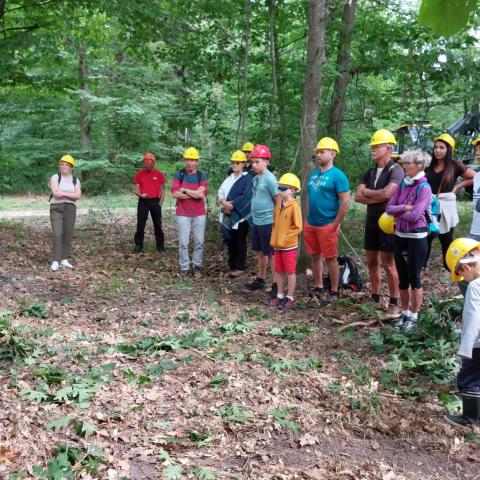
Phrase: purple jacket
(408,222)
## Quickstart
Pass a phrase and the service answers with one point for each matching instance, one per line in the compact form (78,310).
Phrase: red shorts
(321,241)
(285,261)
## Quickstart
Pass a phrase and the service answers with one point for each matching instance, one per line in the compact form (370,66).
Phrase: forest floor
(121,370)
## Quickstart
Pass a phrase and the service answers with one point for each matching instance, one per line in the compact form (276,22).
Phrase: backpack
(183,172)
(74,179)
(432,213)
(349,277)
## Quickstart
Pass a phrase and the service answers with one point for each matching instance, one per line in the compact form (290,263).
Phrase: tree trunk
(2,8)
(85,120)
(317,16)
(344,63)
(271,41)
(282,134)
(243,104)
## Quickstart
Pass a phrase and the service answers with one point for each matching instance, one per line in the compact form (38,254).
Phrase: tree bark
(243,104)
(271,40)
(344,63)
(282,134)
(317,17)
(2,8)
(85,120)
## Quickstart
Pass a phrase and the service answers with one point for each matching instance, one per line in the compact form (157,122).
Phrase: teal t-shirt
(323,190)
(264,188)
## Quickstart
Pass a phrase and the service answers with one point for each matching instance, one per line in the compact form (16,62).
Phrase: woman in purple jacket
(409,205)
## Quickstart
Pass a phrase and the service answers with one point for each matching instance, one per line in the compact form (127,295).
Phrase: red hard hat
(260,151)
(149,156)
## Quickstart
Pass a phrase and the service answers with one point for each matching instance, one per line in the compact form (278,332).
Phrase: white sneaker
(65,263)
(55,266)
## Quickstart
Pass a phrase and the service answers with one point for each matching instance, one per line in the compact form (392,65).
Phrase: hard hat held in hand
(191,154)
(383,136)
(247,147)
(327,143)
(290,180)
(456,252)
(68,159)
(238,156)
(447,138)
(261,151)
(386,223)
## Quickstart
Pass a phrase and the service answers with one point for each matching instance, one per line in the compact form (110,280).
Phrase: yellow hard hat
(447,138)
(382,136)
(238,156)
(191,153)
(476,141)
(290,180)
(247,147)
(327,143)
(456,251)
(68,159)
(386,223)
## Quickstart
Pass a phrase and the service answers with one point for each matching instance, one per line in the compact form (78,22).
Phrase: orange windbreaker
(287,225)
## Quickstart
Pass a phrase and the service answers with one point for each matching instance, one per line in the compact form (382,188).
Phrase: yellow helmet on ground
(238,156)
(447,138)
(476,141)
(327,143)
(191,154)
(383,136)
(247,147)
(290,180)
(68,159)
(456,252)
(386,223)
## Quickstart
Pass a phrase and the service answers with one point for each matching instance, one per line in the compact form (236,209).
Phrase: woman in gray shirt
(66,191)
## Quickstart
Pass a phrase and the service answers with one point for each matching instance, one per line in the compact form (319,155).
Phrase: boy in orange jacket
(287,226)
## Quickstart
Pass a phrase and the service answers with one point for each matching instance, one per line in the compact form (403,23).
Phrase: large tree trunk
(344,62)
(317,17)
(2,8)
(271,41)
(85,119)
(282,134)
(243,103)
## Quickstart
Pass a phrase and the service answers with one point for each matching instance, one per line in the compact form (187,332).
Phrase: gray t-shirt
(475,228)
(264,188)
(66,185)
(471,320)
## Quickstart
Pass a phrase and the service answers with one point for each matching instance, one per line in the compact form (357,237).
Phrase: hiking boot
(235,273)
(398,323)
(65,263)
(409,325)
(160,249)
(287,306)
(183,273)
(257,284)
(471,412)
(393,311)
(197,272)
(319,291)
(55,266)
(137,249)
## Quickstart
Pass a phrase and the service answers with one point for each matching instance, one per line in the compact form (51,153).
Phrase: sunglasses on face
(283,188)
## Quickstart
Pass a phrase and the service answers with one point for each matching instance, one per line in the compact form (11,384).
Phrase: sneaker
(55,266)
(257,284)
(332,297)
(318,291)
(409,325)
(160,249)
(137,249)
(287,306)
(457,420)
(393,311)
(398,323)
(275,302)
(183,273)
(65,263)
(197,272)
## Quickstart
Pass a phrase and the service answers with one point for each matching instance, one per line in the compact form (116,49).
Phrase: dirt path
(11,214)
(196,378)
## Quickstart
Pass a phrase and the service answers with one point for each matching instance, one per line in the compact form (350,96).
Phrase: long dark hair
(448,176)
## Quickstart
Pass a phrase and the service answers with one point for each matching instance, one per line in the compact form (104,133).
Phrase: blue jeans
(195,226)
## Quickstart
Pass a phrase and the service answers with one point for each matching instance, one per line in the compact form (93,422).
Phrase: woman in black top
(442,175)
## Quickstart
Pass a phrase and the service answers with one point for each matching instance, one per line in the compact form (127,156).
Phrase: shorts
(320,242)
(285,261)
(261,236)
(375,239)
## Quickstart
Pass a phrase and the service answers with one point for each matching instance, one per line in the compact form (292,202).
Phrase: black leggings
(445,240)
(237,247)
(410,256)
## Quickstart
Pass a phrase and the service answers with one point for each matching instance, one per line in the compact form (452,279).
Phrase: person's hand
(201,189)
(144,195)
(333,228)
(408,208)
(455,189)
(228,207)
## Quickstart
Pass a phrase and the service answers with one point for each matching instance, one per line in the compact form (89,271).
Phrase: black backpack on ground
(349,277)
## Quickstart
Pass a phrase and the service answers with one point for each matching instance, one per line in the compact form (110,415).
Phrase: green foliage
(292,332)
(218,380)
(33,310)
(234,413)
(281,416)
(13,343)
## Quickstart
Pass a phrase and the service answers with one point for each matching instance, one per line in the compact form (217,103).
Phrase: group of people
(397,233)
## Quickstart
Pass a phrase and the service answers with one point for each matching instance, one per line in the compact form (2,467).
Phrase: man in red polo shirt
(148,186)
